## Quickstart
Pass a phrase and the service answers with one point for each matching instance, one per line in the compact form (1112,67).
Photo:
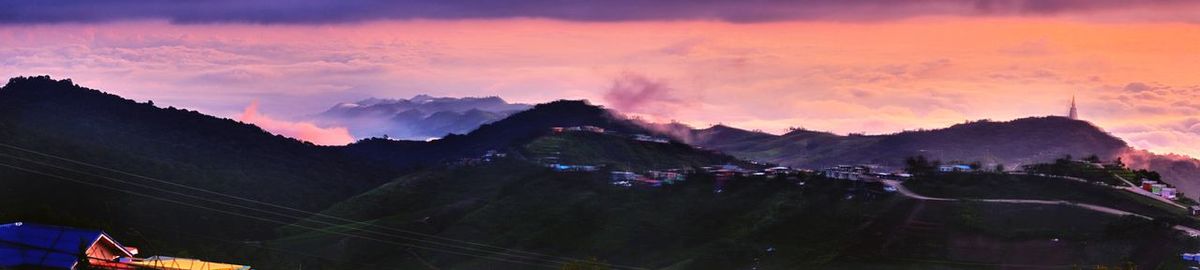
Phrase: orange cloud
(1134,79)
(300,130)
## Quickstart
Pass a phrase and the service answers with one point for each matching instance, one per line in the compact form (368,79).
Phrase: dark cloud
(335,11)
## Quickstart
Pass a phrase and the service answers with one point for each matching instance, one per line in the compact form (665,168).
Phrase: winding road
(909,193)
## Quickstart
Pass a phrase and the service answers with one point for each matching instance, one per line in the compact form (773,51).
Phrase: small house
(593,129)
(1168,193)
(954,168)
(624,176)
(36,246)
(648,138)
(572,168)
(847,172)
(668,176)
(1148,185)
(1157,189)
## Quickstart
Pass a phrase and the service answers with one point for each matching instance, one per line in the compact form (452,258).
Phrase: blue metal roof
(25,244)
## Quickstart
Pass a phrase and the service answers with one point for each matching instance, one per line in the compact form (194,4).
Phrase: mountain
(1011,143)
(418,118)
(507,134)
(214,157)
(754,221)
(395,204)
(55,119)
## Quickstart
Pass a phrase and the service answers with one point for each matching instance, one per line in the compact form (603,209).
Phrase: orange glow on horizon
(1132,78)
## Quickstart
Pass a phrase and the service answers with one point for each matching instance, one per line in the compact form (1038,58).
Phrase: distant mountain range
(1011,143)
(133,154)
(513,202)
(418,118)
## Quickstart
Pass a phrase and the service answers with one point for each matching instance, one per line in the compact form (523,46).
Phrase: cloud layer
(342,11)
(1135,79)
(304,131)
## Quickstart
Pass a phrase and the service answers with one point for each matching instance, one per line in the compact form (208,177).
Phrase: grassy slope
(958,235)
(1014,186)
(1021,141)
(686,226)
(181,146)
(579,215)
(620,153)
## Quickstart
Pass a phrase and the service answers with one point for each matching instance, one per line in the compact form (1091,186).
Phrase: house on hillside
(558,167)
(624,178)
(593,129)
(36,246)
(847,172)
(648,138)
(667,176)
(955,168)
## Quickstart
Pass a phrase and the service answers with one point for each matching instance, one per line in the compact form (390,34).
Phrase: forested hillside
(53,133)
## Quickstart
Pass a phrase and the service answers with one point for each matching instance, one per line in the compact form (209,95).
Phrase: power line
(279,222)
(278,214)
(555,259)
(262,247)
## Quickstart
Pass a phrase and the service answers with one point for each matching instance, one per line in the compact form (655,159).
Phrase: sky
(869,66)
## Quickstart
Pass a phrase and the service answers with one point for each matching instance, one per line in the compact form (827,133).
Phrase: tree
(589,264)
(1000,167)
(919,165)
(1063,161)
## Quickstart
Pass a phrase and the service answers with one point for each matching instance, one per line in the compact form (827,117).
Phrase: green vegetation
(620,153)
(589,264)
(685,226)
(515,203)
(1033,187)
(180,146)
(921,166)
(1090,170)
(956,235)
(1020,141)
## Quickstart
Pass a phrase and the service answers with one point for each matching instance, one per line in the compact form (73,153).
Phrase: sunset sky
(842,66)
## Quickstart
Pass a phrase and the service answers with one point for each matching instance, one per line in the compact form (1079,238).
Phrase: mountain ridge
(1011,143)
(420,117)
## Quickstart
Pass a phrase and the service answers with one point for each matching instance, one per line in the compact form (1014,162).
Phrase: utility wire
(556,259)
(280,214)
(262,247)
(279,222)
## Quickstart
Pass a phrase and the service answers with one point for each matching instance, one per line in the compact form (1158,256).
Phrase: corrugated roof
(27,244)
(169,263)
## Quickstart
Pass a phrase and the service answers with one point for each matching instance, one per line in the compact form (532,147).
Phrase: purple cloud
(331,11)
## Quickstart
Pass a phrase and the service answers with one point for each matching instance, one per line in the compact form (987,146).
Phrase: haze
(867,67)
